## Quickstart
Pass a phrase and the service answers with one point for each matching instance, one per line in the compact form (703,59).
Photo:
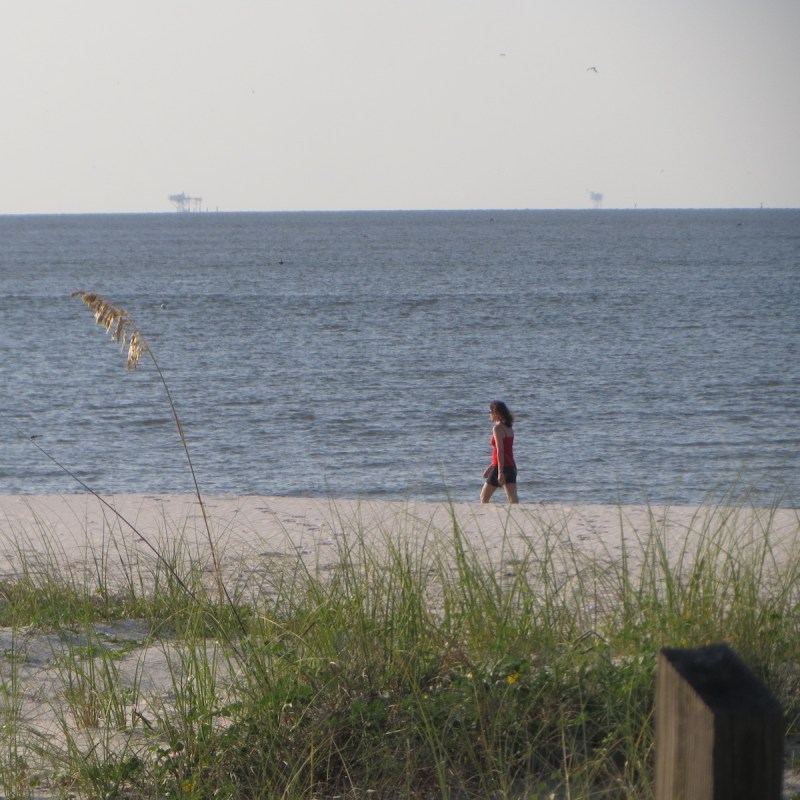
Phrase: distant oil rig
(183,203)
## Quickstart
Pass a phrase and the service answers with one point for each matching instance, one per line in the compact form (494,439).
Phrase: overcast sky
(112,105)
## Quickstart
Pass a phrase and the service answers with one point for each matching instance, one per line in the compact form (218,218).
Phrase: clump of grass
(433,669)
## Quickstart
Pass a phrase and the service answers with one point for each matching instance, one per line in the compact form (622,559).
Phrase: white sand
(245,526)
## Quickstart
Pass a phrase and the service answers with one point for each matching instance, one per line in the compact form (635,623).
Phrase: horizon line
(486,209)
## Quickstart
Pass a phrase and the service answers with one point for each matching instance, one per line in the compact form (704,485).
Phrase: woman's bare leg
(486,492)
(511,492)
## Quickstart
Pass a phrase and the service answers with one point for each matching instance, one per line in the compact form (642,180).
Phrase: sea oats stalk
(117,322)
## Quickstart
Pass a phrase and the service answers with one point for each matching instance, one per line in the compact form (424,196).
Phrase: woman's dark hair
(501,409)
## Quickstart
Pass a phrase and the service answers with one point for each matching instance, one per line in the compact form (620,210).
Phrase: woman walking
(503,469)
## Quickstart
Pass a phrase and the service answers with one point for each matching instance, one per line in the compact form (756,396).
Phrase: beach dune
(249,540)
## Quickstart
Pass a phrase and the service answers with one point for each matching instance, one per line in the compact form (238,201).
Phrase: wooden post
(719,731)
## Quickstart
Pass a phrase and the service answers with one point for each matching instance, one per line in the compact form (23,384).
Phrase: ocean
(649,356)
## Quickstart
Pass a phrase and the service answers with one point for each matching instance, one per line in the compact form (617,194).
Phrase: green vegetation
(414,668)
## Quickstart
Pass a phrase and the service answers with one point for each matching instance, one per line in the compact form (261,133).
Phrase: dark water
(648,355)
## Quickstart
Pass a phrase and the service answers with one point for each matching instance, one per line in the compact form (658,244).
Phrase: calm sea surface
(649,355)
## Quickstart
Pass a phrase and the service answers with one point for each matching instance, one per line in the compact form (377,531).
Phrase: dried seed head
(115,321)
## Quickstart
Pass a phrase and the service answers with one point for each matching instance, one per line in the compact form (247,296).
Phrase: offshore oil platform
(183,203)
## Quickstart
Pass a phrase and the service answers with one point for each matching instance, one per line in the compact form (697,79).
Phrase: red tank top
(508,452)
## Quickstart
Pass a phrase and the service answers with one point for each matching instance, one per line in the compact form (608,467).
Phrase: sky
(290,105)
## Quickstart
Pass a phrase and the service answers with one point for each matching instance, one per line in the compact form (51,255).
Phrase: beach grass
(416,664)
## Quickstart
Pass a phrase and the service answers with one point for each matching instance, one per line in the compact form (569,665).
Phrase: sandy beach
(246,527)
(255,536)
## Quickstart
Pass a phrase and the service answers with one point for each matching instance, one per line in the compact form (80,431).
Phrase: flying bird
(592,69)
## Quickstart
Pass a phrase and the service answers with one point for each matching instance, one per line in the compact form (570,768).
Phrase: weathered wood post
(719,731)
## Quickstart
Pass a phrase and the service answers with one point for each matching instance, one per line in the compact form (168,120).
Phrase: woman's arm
(499,436)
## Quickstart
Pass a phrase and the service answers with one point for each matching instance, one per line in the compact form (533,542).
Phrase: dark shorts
(510,474)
